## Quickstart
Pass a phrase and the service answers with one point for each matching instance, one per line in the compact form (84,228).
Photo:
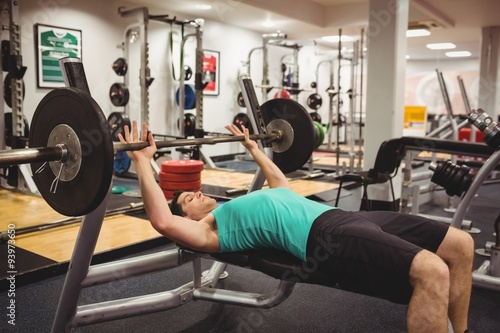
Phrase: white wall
(101,30)
(422,86)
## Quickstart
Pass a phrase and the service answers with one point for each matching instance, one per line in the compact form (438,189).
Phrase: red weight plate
(179,177)
(170,194)
(184,186)
(182,166)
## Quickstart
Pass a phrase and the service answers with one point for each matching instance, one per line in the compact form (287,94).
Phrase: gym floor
(310,308)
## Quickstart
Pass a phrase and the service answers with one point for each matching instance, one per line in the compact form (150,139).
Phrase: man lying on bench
(402,258)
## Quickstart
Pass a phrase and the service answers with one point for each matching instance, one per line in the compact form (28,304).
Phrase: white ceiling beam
(433,13)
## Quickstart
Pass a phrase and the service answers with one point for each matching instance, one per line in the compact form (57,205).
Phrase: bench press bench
(277,264)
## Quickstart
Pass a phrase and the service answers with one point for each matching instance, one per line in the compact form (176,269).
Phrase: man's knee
(466,244)
(457,246)
(428,271)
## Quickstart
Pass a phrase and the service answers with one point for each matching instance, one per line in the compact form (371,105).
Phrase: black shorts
(371,252)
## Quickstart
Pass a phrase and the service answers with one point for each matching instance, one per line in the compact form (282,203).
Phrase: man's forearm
(153,198)
(273,174)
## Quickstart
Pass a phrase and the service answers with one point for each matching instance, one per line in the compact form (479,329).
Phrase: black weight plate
(120,66)
(116,122)
(119,94)
(76,109)
(188,73)
(315,117)
(240,100)
(314,101)
(189,124)
(242,119)
(303,139)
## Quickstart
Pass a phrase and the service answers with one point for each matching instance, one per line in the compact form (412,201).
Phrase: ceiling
(456,21)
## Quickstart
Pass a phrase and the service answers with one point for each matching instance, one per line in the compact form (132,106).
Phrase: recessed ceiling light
(204,7)
(408,56)
(441,46)
(268,24)
(458,54)
(417,33)
(335,39)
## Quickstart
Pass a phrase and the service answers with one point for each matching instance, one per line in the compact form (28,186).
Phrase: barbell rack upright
(89,228)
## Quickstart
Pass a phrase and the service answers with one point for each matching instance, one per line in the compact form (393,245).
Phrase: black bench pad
(278,264)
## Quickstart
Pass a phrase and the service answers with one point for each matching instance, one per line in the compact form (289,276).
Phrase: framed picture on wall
(51,44)
(210,75)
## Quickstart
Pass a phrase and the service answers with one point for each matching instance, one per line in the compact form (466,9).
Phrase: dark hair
(175,207)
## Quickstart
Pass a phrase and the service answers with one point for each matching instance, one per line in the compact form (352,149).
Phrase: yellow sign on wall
(415,120)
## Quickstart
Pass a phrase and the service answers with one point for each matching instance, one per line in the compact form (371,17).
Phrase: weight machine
(457,180)
(448,130)
(488,274)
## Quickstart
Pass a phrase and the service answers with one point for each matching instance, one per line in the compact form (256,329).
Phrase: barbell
(71,150)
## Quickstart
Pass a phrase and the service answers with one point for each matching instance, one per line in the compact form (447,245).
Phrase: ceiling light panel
(203,7)
(441,46)
(417,33)
(458,54)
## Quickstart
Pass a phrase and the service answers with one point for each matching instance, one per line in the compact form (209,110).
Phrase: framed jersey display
(52,44)
(210,75)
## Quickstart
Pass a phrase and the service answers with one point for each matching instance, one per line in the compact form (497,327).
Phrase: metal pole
(468,109)
(339,121)
(57,153)
(193,142)
(199,85)
(31,155)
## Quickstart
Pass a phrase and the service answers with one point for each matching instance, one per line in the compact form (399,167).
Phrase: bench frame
(202,287)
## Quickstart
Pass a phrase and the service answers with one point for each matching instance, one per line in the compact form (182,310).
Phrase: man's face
(196,205)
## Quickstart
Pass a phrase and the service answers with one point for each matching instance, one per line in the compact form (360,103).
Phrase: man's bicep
(195,235)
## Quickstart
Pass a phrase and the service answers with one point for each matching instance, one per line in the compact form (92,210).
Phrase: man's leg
(428,307)
(457,251)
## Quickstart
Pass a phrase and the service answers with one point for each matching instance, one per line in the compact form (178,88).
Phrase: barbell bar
(72,151)
(273,136)
(59,153)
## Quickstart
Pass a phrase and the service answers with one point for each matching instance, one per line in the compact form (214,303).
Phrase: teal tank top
(275,218)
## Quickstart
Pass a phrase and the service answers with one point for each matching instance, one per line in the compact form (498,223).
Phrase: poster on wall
(210,75)
(52,44)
